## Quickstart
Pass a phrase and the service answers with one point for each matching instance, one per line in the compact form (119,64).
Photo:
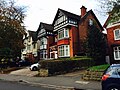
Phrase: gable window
(64,51)
(90,22)
(116,53)
(63,33)
(117,34)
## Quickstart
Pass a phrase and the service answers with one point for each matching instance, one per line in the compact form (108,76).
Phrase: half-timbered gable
(44,32)
(64,19)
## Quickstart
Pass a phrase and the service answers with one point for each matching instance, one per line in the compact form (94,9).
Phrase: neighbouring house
(30,50)
(113,39)
(68,33)
(45,38)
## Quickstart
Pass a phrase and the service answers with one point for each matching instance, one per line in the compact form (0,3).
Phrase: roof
(78,17)
(68,14)
(33,35)
(87,14)
(47,27)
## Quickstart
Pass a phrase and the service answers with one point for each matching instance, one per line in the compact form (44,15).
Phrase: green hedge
(63,66)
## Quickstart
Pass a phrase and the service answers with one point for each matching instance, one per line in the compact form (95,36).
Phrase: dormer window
(90,22)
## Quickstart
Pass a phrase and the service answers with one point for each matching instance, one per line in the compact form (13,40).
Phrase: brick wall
(83,29)
(74,42)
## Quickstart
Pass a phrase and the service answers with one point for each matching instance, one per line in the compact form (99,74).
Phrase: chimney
(83,11)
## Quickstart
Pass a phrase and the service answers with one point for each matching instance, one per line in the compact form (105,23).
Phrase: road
(5,85)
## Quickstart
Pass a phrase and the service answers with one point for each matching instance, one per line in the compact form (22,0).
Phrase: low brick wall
(92,75)
(43,73)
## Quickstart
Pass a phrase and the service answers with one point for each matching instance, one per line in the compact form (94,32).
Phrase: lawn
(99,68)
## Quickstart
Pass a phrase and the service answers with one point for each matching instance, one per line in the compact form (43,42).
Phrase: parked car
(111,78)
(22,63)
(35,67)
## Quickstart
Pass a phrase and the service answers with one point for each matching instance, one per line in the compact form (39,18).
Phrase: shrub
(63,66)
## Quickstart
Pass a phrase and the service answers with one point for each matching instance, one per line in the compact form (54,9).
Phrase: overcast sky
(45,10)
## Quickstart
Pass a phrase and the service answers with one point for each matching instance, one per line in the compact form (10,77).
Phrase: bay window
(63,33)
(64,51)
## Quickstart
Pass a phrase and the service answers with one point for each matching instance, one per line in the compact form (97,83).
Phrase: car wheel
(113,88)
(34,68)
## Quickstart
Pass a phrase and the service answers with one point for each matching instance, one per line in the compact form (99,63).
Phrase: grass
(76,58)
(99,68)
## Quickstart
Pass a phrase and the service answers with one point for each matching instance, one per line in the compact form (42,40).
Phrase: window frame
(115,37)
(64,51)
(63,33)
(116,52)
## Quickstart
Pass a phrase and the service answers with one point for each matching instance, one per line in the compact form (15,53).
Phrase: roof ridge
(68,12)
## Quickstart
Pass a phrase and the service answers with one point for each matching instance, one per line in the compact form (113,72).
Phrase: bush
(63,66)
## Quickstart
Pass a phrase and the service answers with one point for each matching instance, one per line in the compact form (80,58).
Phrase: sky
(45,10)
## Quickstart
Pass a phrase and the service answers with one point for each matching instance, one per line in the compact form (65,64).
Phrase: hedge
(63,66)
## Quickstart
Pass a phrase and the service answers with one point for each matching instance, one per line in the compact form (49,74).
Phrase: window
(63,33)
(117,53)
(64,51)
(43,41)
(28,47)
(43,54)
(71,21)
(90,22)
(117,34)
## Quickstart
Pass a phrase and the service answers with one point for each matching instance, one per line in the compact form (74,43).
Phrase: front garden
(66,65)
(94,72)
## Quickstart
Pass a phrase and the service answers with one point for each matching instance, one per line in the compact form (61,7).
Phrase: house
(45,37)
(30,43)
(68,33)
(71,31)
(113,39)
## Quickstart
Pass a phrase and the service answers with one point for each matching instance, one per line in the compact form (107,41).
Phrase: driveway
(25,71)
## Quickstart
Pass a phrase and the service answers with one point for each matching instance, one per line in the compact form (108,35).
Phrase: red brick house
(113,37)
(70,31)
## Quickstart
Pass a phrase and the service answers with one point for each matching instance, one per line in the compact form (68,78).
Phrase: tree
(11,26)
(112,7)
(96,44)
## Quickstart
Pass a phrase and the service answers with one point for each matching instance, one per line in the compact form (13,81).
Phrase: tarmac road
(5,85)
(70,80)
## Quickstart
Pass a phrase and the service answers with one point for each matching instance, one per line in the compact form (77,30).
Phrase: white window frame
(115,37)
(64,51)
(44,54)
(116,52)
(65,33)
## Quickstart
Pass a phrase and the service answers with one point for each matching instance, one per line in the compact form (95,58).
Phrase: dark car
(22,63)
(111,78)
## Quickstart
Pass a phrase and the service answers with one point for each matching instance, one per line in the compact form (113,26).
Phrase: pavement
(70,81)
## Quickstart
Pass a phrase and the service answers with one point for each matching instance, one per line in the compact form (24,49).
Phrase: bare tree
(112,7)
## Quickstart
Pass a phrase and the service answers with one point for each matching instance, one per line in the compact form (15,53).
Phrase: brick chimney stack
(83,11)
